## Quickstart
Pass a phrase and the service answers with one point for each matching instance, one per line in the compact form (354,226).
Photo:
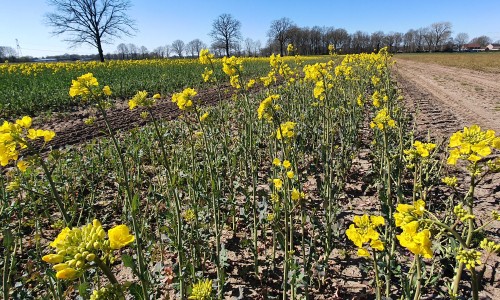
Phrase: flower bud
(90,257)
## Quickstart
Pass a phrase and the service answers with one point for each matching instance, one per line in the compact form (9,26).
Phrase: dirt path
(446,99)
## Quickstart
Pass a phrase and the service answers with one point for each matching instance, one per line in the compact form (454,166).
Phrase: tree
(226,31)
(440,32)
(461,39)
(195,46)
(7,52)
(278,31)
(483,40)
(178,47)
(92,22)
(122,49)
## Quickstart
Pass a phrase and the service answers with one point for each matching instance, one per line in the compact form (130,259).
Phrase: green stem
(419,275)
(377,277)
(142,270)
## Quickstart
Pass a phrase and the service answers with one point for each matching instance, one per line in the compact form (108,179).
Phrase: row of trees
(96,22)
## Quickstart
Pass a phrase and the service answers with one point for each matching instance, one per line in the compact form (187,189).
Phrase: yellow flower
(290,174)
(140,99)
(53,258)
(24,122)
(202,290)
(276,162)
(418,243)
(263,110)
(471,144)
(205,56)
(278,183)
(106,90)
(363,231)
(450,181)
(470,258)
(120,237)
(184,99)
(82,85)
(204,116)
(286,164)
(156,96)
(67,274)
(382,120)
(61,237)
(286,130)
(22,165)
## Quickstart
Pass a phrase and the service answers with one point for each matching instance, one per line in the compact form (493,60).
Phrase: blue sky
(161,22)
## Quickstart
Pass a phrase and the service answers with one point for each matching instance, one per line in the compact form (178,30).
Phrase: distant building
(472,47)
(492,47)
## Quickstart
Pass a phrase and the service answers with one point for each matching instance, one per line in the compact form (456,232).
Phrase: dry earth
(444,100)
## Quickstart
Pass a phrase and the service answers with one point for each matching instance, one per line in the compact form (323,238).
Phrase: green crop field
(273,191)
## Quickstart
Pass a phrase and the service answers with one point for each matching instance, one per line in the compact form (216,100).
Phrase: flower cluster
(141,99)
(15,136)
(364,231)
(382,120)
(286,131)
(470,258)
(266,107)
(184,99)
(77,248)
(407,213)
(489,246)
(87,85)
(419,150)
(407,218)
(202,290)
(206,57)
(110,291)
(472,144)
(462,214)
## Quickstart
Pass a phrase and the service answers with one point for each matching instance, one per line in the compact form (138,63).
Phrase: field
(480,61)
(294,178)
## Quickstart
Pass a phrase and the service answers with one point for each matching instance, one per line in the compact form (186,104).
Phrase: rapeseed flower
(184,99)
(407,213)
(472,144)
(82,85)
(120,237)
(418,242)
(202,290)
(206,57)
(286,130)
(382,120)
(364,231)
(265,107)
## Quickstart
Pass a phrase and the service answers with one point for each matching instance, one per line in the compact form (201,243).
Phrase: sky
(160,22)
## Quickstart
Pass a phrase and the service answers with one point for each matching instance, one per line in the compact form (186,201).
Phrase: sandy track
(446,99)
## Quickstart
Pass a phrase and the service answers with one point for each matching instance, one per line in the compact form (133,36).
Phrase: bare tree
(168,50)
(377,40)
(122,49)
(91,22)
(178,47)
(461,39)
(226,31)
(7,52)
(441,31)
(133,50)
(144,51)
(483,40)
(195,46)
(278,31)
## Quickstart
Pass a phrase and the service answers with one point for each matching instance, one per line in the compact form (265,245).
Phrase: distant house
(472,47)
(492,47)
